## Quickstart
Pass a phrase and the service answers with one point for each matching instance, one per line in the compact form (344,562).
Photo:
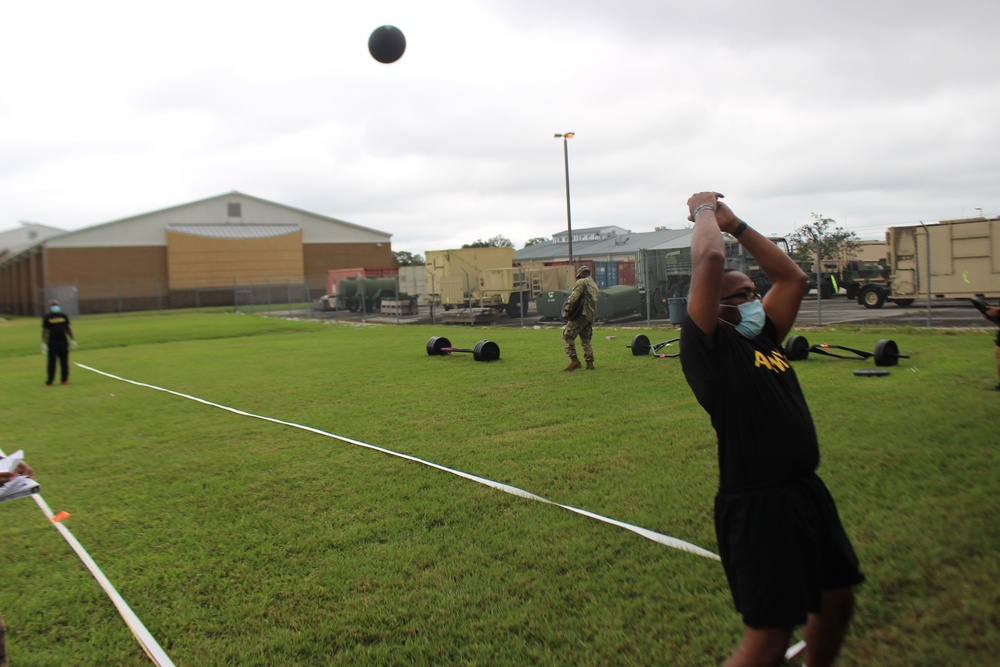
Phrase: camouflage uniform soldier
(583,324)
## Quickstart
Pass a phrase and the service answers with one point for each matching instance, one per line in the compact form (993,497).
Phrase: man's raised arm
(708,260)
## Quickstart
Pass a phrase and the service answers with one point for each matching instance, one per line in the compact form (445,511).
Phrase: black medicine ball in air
(387,44)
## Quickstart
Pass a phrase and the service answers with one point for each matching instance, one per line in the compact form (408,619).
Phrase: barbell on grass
(886,351)
(640,347)
(485,350)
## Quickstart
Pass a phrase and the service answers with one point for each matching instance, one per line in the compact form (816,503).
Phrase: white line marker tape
(513,490)
(146,640)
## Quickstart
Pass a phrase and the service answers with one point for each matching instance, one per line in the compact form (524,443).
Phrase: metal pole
(522,305)
(645,278)
(819,281)
(361,291)
(569,217)
(468,287)
(916,248)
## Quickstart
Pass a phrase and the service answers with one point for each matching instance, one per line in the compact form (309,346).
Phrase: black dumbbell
(485,350)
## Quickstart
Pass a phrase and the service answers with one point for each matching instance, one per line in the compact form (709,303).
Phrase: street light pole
(569,218)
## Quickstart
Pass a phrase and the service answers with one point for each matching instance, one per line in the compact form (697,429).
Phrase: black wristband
(739,229)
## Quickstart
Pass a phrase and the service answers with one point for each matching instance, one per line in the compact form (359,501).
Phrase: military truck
(487,278)
(951,259)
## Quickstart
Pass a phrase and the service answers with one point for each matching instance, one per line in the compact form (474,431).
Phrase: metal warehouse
(207,252)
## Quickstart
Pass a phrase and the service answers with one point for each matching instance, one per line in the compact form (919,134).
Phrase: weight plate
(437,344)
(486,350)
(797,348)
(871,372)
(886,353)
(640,345)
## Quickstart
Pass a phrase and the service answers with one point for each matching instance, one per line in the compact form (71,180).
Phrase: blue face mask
(751,319)
(56,309)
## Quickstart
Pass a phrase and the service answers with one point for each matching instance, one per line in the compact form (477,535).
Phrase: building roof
(233,231)
(28,234)
(626,244)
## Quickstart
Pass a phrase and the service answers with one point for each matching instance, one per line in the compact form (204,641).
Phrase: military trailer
(952,259)
(334,278)
(486,278)
(368,294)
(614,303)
(619,302)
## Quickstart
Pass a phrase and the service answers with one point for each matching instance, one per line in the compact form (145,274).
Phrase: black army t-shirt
(765,432)
(58,325)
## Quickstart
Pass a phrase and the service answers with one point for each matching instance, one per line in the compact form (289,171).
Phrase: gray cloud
(871,113)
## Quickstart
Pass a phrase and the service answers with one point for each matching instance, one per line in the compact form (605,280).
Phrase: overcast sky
(873,112)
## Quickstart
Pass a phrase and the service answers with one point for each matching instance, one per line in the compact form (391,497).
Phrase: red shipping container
(626,273)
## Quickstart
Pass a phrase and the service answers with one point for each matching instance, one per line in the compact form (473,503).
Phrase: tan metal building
(208,252)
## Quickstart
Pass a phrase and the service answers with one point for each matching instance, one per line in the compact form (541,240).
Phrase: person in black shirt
(786,555)
(56,337)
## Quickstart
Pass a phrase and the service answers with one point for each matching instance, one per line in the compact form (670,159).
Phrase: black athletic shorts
(781,547)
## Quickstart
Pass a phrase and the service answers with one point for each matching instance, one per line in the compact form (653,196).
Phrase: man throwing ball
(786,555)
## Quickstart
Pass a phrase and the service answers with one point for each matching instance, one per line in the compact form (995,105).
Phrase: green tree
(535,241)
(404,258)
(497,241)
(835,244)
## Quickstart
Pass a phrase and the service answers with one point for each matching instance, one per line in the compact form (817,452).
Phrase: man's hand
(727,220)
(22,469)
(700,199)
(72,343)
(993,314)
(45,348)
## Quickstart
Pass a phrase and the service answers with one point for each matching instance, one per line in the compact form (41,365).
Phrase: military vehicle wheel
(797,348)
(871,297)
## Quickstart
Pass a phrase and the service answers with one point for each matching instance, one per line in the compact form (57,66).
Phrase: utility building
(208,252)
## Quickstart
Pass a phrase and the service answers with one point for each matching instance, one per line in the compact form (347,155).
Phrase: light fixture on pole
(569,218)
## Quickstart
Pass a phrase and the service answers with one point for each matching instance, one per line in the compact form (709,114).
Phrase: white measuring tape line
(146,640)
(513,490)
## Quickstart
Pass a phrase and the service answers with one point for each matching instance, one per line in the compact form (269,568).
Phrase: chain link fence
(123,297)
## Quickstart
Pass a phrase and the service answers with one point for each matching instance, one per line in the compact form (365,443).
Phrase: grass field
(239,541)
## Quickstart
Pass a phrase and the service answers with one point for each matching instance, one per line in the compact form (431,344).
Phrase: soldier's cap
(582,270)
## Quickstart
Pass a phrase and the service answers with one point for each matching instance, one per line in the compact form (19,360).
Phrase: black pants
(58,351)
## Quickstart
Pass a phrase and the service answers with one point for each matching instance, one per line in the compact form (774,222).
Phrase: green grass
(242,542)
